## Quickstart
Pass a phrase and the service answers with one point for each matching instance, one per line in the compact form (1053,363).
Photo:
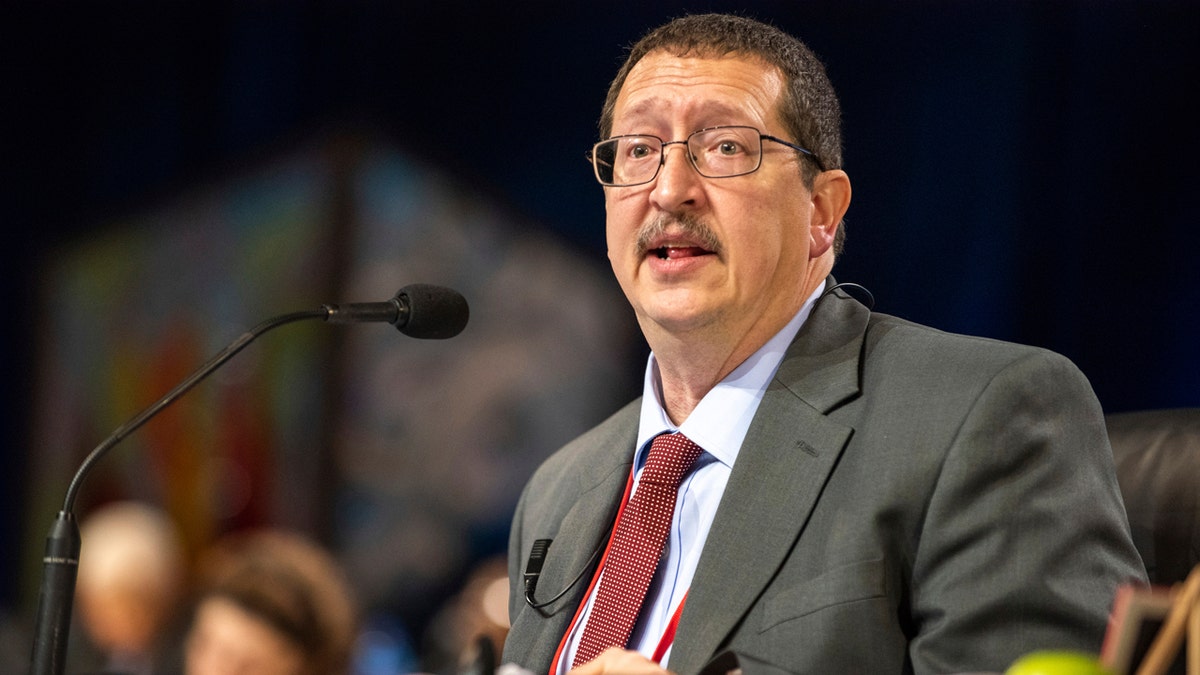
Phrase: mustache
(690,226)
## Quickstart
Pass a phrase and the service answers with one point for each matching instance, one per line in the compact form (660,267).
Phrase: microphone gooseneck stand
(433,312)
(61,561)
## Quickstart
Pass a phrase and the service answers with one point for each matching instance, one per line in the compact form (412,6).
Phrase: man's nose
(678,182)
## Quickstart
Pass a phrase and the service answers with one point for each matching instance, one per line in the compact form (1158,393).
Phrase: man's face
(747,278)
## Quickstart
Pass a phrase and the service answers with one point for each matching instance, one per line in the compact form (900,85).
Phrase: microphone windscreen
(434,312)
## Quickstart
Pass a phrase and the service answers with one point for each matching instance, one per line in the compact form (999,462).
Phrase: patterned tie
(637,546)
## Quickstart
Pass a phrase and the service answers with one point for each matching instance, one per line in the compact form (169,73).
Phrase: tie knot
(671,456)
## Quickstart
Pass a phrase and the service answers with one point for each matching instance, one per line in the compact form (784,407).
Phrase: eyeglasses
(715,152)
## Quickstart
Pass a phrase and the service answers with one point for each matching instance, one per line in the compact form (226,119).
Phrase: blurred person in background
(467,632)
(132,575)
(270,603)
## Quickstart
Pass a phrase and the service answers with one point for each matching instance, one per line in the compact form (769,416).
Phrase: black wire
(849,284)
(588,565)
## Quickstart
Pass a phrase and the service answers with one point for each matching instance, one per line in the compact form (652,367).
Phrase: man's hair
(809,106)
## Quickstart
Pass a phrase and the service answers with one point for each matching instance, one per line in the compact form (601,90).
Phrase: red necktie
(637,546)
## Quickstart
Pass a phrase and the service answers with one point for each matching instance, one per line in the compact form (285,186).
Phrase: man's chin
(677,311)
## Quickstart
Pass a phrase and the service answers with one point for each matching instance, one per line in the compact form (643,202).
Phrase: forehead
(663,89)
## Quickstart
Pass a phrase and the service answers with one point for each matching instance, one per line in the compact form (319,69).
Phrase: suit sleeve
(1025,539)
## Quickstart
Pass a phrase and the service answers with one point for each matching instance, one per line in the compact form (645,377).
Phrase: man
(870,496)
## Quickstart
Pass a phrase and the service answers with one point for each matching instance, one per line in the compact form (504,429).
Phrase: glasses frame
(662,159)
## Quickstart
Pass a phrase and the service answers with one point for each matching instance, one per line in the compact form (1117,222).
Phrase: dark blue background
(1021,170)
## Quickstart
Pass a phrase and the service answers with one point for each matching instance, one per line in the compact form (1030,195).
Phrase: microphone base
(57,595)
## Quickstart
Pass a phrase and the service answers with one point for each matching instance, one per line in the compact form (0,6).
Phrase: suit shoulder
(930,348)
(605,444)
(903,356)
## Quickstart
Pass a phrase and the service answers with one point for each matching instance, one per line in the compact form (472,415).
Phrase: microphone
(533,567)
(418,310)
(483,661)
(533,570)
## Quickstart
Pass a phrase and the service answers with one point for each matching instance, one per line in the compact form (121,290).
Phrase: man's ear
(830,199)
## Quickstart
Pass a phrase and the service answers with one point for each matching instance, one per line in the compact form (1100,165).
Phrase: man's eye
(728,148)
(639,151)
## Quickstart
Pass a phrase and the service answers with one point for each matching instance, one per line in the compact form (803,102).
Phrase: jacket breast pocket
(849,583)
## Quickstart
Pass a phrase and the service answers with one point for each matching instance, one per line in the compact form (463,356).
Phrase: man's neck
(687,377)
(691,365)
(693,362)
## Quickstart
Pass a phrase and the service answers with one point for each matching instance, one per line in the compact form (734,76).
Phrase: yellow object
(1057,663)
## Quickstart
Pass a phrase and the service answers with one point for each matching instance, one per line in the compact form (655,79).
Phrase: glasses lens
(627,160)
(726,151)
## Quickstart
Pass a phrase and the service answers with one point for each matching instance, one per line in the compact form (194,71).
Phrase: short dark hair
(809,107)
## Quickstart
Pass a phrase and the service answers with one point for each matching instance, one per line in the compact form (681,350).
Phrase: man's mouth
(677,236)
(674,252)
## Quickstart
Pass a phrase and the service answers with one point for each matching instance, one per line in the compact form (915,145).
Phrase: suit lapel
(783,465)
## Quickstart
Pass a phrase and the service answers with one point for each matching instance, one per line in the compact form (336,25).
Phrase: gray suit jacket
(906,500)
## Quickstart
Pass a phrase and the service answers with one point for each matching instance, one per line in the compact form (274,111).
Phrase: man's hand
(616,661)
